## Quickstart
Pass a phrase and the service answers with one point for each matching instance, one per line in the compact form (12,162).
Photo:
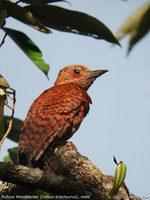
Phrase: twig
(3,40)
(10,107)
(11,117)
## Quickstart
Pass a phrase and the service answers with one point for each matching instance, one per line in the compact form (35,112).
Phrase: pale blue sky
(118,121)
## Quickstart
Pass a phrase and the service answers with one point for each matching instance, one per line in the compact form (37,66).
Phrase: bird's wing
(57,113)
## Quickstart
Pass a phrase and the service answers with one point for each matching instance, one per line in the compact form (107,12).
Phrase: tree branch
(76,176)
(35,178)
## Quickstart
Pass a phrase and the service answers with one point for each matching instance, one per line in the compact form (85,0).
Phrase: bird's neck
(70,83)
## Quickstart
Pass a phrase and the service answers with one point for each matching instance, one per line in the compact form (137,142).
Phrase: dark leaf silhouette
(21,14)
(72,21)
(3,14)
(37,2)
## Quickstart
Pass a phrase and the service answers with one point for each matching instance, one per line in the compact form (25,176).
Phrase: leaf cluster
(43,16)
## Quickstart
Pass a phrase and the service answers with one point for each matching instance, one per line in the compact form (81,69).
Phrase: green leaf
(29,48)
(136,26)
(119,178)
(41,192)
(7,159)
(12,157)
(15,131)
(72,21)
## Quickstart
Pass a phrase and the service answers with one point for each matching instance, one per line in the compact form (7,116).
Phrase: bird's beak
(97,73)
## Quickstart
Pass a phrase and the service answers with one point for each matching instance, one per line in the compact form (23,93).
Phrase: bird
(56,114)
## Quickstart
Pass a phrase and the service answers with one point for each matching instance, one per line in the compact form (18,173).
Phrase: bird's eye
(77,71)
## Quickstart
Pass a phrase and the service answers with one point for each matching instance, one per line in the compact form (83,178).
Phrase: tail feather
(51,163)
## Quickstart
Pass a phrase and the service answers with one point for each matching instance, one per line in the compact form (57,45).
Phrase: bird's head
(78,74)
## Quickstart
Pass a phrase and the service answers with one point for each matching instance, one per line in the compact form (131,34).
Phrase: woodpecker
(56,114)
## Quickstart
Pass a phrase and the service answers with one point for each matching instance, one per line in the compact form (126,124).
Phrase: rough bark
(76,177)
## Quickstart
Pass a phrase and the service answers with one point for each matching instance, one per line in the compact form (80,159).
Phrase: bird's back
(53,117)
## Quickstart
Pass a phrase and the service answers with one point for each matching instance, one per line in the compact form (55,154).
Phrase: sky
(118,121)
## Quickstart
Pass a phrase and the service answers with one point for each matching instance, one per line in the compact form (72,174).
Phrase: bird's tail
(51,163)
